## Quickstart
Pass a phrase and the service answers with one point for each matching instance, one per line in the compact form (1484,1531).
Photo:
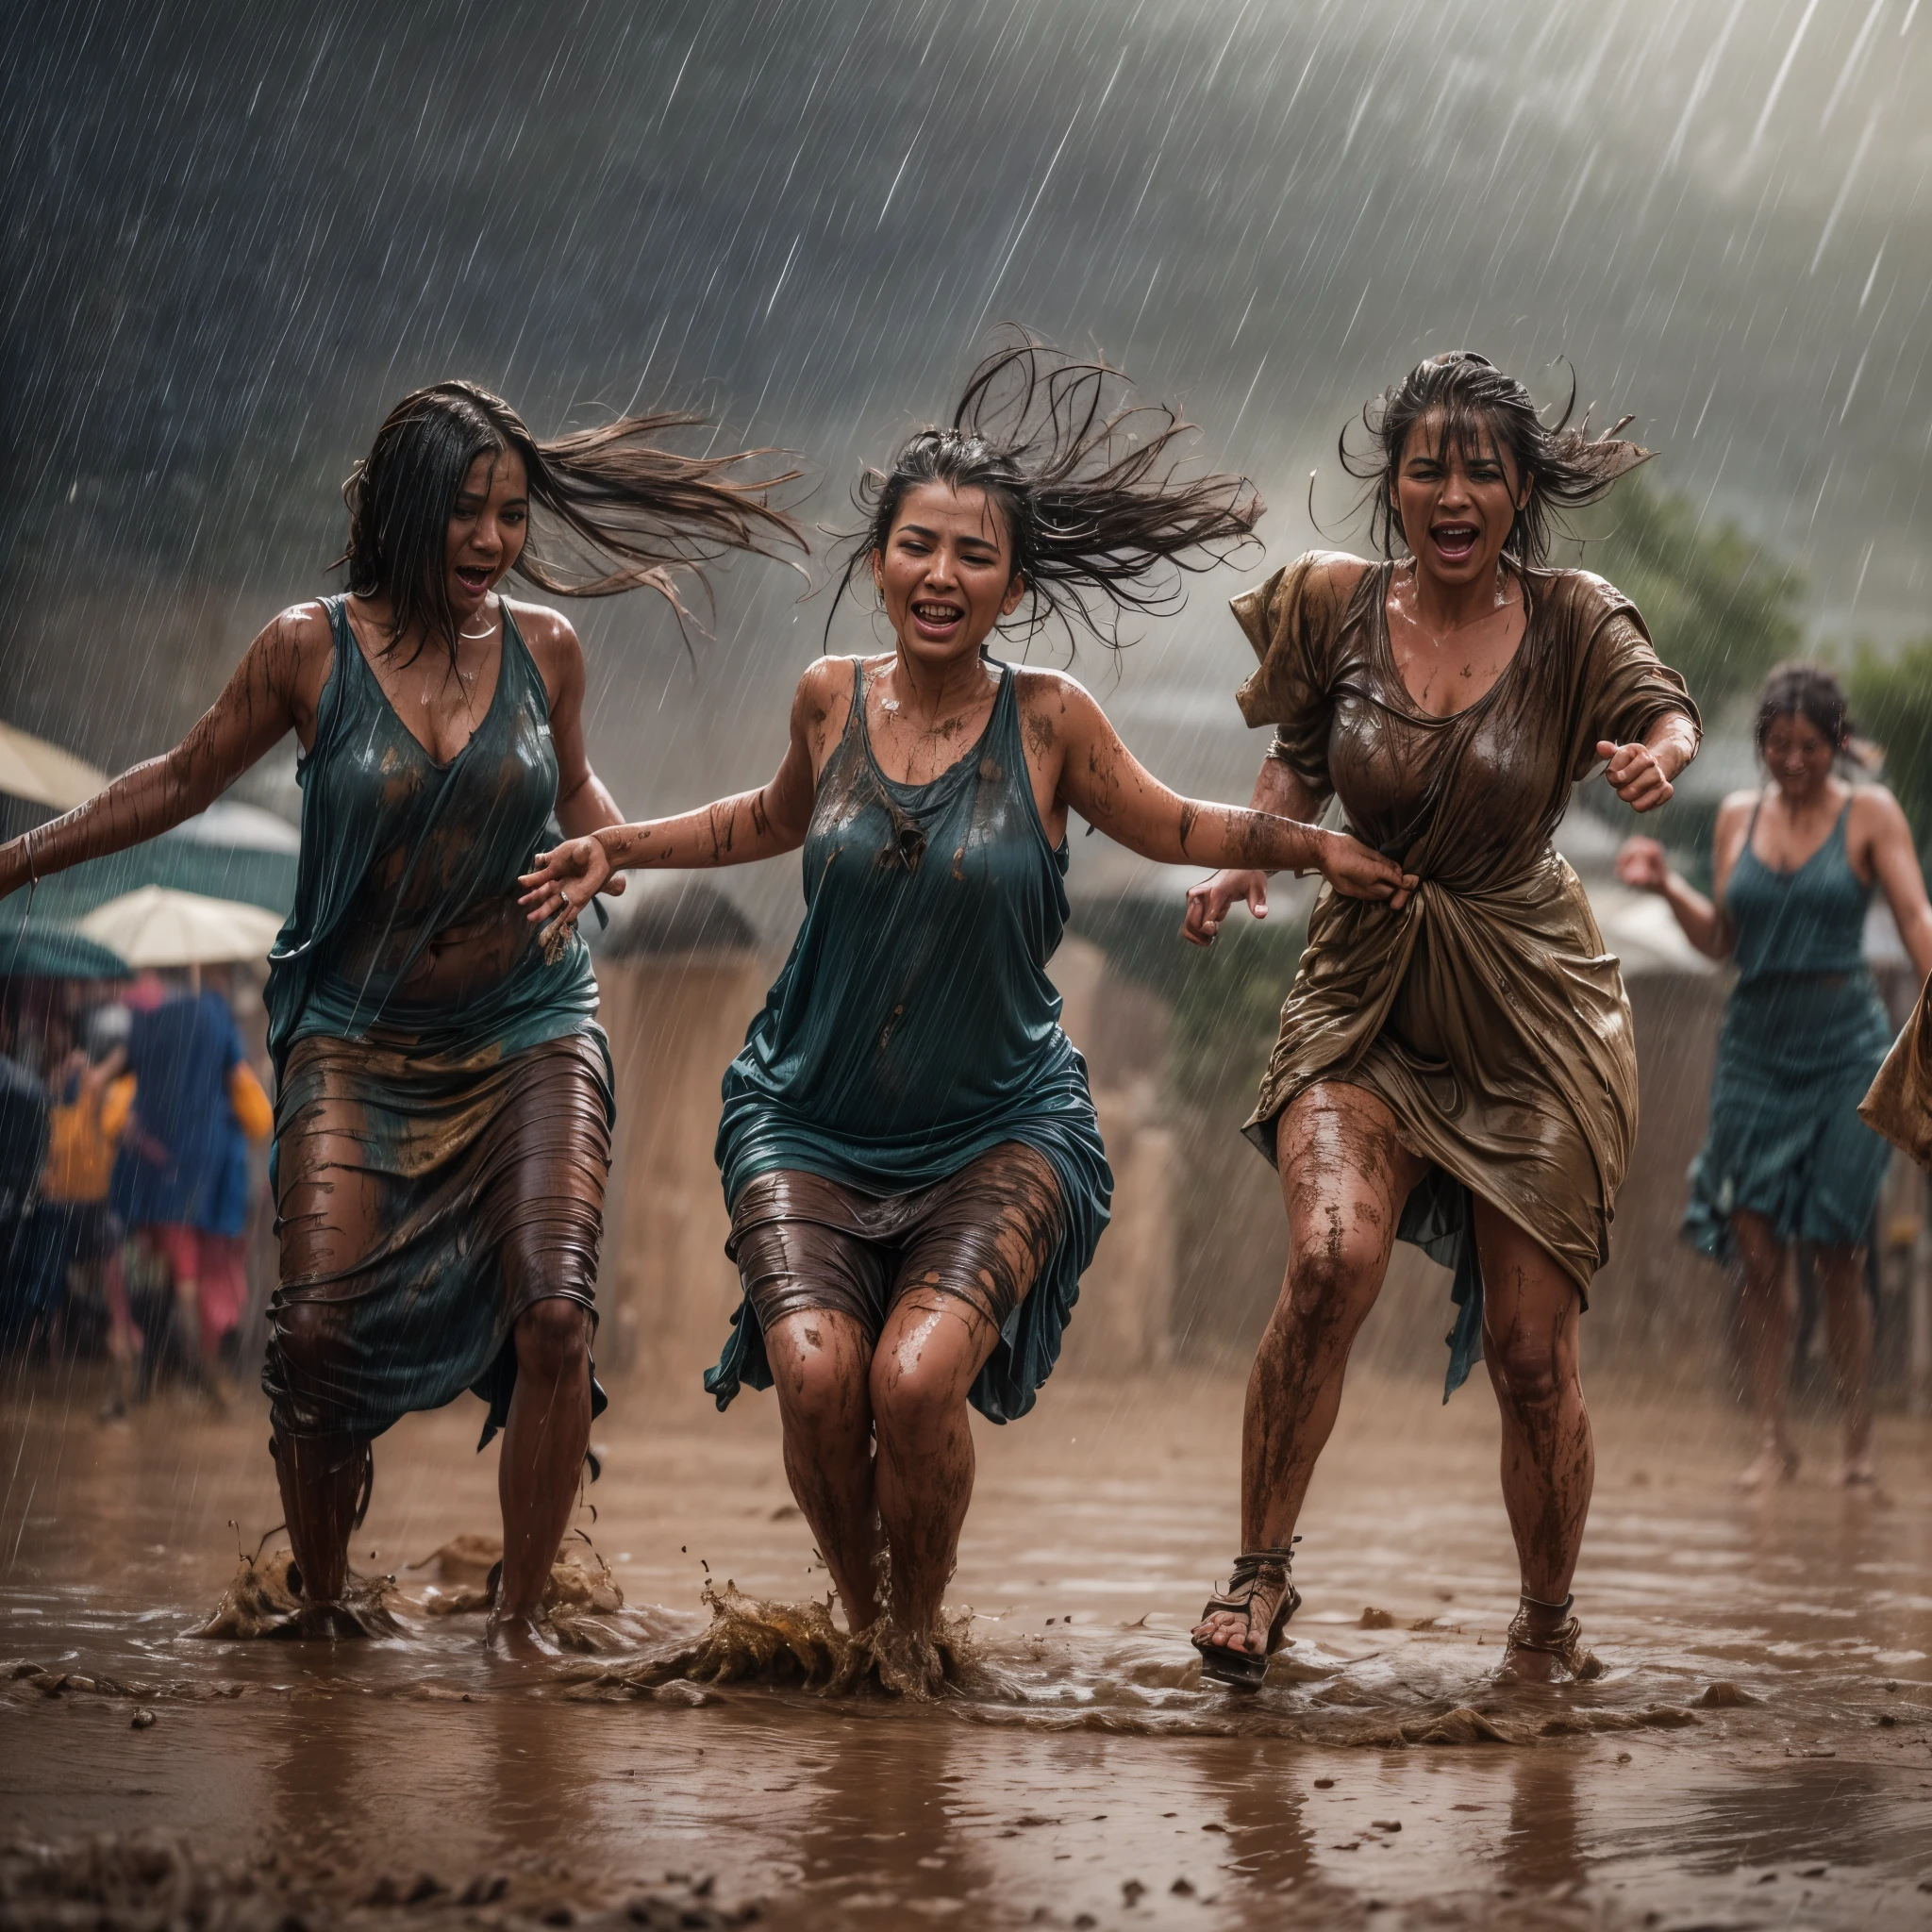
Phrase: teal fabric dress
(476,1127)
(1803,1033)
(915,1026)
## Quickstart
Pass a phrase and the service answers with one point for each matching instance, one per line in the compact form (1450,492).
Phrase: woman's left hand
(567,878)
(1636,776)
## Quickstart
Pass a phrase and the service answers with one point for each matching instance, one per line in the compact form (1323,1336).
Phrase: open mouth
(473,577)
(1452,542)
(935,619)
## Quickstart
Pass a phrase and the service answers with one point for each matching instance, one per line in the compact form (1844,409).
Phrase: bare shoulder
(1875,811)
(822,699)
(550,634)
(1051,705)
(1733,815)
(295,647)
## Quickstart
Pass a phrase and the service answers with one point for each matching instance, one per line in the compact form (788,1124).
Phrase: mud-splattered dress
(1487,1014)
(910,1048)
(440,1147)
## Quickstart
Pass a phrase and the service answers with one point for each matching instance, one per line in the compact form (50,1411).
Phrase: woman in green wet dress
(910,1152)
(443,1112)
(1786,1158)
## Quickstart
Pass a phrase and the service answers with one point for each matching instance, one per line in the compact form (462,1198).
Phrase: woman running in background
(1456,1070)
(910,1154)
(1787,1158)
(442,1113)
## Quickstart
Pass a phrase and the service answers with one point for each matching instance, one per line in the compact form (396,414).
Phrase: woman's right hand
(1641,865)
(1208,902)
(567,878)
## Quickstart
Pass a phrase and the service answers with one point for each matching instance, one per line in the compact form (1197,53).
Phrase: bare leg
(1531,1311)
(820,1365)
(1848,1331)
(1344,1177)
(543,1445)
(933,1346)
(123,1335)
(1764,1324)
(320,1481)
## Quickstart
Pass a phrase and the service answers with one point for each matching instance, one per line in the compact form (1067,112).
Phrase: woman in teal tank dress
(908,1149)
(1787,1159)
(443,1093)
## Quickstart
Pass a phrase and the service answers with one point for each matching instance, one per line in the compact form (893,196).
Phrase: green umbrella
(54,952)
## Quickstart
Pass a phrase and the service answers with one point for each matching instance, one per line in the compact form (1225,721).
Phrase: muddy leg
(1848,1331)
(820,1365)
(1764,1327)
(1531,1311)
(1344,1177)
(932,1348)
(543,1445)
(320,1481)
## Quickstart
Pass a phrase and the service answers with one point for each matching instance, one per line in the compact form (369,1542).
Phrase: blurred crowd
(129,1182)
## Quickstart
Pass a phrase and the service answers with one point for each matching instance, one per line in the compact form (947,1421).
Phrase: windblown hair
(1807,692)
(1564,468)
(628,515)
(1086,483)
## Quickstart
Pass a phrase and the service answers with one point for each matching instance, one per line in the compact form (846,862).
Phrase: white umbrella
(32,769)
(156,927)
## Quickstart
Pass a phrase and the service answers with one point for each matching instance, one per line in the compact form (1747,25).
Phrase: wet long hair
(626,514)
(1563,468)
(1087,482)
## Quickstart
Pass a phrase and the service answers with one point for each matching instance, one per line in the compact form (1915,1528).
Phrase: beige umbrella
(157,926)
(32,769)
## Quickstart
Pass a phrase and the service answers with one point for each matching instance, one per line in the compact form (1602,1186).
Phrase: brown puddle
(1760,1751)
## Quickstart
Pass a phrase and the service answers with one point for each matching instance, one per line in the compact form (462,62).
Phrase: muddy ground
(1758,1754)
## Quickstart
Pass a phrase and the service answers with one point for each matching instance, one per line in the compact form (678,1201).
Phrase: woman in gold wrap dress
(1456,1066)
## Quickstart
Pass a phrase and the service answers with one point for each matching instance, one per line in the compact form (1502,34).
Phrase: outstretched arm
(1896,864)
(730,831)
(1102,780)
(1642,864)
(266,697)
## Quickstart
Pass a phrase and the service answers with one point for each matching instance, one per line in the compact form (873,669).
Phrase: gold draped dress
(1487,1014)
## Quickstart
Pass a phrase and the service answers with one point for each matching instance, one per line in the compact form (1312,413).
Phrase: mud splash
(264,1599)
(797,1646)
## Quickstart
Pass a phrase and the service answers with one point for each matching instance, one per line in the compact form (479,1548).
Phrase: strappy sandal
(1565,1642)
(1254,1572)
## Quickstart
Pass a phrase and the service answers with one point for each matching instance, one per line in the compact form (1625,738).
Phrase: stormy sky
(239,232)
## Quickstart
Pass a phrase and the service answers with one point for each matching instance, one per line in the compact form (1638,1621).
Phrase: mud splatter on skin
(962,1255)
(1345,1174)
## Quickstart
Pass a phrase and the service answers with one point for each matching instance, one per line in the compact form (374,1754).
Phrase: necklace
(487,630)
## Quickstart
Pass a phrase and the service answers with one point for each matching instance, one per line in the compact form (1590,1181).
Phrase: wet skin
(1787,822)
(1455,619)
(441,700)
(945,579)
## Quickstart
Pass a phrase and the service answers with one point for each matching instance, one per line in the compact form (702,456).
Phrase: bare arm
(747,826)
(1642,864)
(1102,780)
(1895,866)
(1276,789)
(269,695)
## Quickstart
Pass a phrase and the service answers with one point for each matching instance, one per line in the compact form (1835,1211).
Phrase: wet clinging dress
(438,1162)
(914,1030)
(1487,1014)
(1803,1032)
